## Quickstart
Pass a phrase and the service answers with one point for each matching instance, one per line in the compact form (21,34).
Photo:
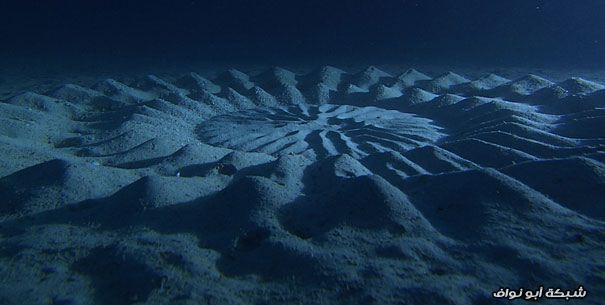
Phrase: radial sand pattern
(319,130)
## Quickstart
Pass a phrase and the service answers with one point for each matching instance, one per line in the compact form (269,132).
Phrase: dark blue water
(520,32)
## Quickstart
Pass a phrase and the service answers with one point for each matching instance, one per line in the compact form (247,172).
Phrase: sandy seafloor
(329,185)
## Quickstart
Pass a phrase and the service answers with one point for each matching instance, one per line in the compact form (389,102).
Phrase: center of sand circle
(319,130)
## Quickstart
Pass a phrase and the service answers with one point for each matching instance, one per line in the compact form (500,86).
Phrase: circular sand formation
(319,130)
(111,184)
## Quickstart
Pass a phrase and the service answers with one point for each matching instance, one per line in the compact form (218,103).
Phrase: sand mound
(443,82)
(410,77)
(280,187)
